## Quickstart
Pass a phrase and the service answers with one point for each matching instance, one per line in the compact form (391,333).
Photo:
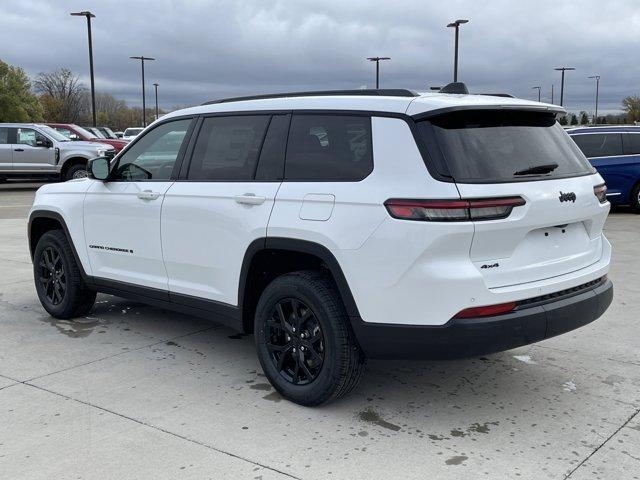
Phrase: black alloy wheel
(295,341)
(52,275)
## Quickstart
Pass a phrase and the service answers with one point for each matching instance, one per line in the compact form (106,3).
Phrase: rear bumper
(461,338)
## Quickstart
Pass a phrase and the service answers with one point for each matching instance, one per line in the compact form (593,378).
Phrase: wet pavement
(132,392)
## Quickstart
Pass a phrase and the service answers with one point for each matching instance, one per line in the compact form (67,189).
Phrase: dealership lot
(133,391)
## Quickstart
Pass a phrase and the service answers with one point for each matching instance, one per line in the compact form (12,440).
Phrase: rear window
(484,146)
(632,143)
(599,144)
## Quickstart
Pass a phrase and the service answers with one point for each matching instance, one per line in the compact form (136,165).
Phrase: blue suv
(615,153)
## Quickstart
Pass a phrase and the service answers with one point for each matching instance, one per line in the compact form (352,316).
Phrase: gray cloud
(212,49)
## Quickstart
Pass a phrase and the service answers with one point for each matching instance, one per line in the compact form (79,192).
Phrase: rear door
(506,154)
(6,150)
(221,204)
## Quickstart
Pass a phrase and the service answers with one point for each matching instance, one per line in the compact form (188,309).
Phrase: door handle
(250,199)
(18,149)
(148,195)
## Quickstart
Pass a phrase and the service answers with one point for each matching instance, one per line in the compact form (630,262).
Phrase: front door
(122,215)
(32,153)
(223,205)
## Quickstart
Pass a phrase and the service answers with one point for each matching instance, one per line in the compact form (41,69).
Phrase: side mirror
(45,142)
(98,168)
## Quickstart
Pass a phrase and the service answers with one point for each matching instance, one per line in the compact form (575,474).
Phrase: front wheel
(76,171)
(304,340)
(59,285)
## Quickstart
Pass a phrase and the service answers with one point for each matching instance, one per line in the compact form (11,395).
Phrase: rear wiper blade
(538,169)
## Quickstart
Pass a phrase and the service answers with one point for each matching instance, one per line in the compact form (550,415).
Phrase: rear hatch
(508,153)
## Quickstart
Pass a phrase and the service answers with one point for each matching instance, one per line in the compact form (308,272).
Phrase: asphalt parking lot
(133,392)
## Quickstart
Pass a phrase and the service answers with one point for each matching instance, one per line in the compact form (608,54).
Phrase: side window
(4,135)
(631,143)
(271,163)
(28,136)
(227,148)
(153,156)
(599,144)
(64,131)
(329,148)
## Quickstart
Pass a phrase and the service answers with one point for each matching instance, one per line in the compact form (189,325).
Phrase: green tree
(17,103)
(562,120)
(631,105)
(574,119)
(584,118)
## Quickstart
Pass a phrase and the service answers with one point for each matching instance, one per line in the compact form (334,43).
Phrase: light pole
(456,25)
(563,69)
(539,90)
(597,77)
(144,101)
(89,16)
(552,93)
(156,85)
(377,60)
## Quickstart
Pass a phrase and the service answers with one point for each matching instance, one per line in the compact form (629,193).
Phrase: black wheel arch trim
(298,246)
(51,215)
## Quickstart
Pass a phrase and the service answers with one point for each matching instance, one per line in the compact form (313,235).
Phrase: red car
(74,132)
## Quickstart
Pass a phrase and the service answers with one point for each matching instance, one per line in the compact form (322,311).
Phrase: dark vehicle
(615,153)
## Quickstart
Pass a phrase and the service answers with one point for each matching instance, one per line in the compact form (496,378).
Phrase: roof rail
(386,92)
(506,95)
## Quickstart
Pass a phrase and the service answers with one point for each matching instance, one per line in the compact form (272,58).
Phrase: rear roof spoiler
(528,108)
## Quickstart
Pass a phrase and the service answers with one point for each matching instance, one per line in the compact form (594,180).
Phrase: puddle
(457,460)
(371,416)
(482,427)
(457,433)
(273,397)
(172,344)
(261,386)
(78,328)
(238,336)
(613,379)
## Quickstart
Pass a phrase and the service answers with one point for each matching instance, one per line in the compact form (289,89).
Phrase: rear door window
(486,146)
(4,135)
(329,148)
(227,148)
(599,144)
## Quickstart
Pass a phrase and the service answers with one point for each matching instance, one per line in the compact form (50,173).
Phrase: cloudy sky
(209,49)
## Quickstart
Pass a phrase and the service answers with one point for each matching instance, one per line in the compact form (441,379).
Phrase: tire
(69,297)
(334,360)
(76,171)
(3,179)
(635,198)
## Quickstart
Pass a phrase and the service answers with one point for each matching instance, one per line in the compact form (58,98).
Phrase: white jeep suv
(340,226)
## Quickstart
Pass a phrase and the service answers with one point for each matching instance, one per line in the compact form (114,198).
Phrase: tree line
(60,97)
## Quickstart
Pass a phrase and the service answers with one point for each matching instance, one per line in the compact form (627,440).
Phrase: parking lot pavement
(132,391)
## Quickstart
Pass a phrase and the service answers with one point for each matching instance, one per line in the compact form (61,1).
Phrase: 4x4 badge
(567,197)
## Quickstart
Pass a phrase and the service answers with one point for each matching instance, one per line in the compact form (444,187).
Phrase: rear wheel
(635,198)
(305,344)
(59,285)
(76,171)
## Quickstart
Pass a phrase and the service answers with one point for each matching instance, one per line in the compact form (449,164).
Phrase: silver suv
(29,149)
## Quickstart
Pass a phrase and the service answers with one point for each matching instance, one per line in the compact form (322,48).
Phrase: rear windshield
(483,146)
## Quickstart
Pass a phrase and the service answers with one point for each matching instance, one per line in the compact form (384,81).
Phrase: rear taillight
(453,210)
(487,311)
(600,191)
